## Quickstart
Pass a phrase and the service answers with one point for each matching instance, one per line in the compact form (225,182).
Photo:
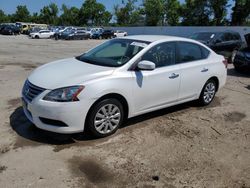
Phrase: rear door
(194,69)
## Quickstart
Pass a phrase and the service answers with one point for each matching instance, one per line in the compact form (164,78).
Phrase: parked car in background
(10,30)
(105,34)
(33,30)
(120,79)
(241,60)
(120,33)
(225,43)
(42,34)
(77,35)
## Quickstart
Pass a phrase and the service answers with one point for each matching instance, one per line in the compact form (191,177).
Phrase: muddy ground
(183,146)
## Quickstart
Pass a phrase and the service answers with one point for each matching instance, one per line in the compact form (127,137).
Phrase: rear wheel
(105,117)
(208,93)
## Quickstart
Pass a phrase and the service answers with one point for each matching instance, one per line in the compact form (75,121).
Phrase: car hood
(247,37)
(67,72)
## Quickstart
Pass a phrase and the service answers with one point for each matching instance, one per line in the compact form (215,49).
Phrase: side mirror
(146,65)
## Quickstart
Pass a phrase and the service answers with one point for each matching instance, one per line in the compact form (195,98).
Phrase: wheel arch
(117,96)
(214,78)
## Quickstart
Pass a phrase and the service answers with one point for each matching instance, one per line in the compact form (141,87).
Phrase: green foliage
(219,11)
(196,13)
(48,14)
(3,17)
(21,15)
(172,11)
(92,13)
(241,11)
(154,11)
(69,16)
(128,13)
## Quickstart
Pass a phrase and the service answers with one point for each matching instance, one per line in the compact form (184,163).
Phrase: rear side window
(190,52)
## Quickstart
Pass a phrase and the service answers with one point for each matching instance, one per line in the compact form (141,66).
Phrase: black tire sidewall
(95,109)
(201,98)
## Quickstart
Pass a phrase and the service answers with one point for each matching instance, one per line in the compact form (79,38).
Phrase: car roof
(153,38)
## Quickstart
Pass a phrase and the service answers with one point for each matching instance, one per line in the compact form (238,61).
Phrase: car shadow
(25,129)
(233,72)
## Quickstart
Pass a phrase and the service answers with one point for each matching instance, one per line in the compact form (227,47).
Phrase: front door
(160,87)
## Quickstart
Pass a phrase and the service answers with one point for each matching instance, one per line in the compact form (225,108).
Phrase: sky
(9,6)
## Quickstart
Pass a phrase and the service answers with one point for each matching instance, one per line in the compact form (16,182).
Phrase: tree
(69,16)
(172,10)
(3,17)
(241,11)
(48,14)
(128,14)
(154,11)
(21,14)
(219,11)
(35,18)
(92,13)
(195,13)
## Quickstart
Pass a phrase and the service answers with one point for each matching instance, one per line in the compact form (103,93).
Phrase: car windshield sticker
(140,44)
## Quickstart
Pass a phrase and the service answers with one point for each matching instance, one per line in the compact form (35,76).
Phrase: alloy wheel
(209,92)
(107,118)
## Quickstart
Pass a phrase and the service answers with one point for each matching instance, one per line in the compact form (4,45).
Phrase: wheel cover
(209,92)
(107,118)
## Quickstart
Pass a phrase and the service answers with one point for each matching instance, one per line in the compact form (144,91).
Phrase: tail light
(225,62)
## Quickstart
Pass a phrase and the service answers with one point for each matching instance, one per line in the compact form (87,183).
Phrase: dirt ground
(183,146)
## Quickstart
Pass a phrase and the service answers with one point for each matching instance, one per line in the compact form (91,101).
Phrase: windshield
(203,36)
(113,53)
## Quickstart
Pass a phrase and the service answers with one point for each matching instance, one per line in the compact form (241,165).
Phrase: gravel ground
(182,146)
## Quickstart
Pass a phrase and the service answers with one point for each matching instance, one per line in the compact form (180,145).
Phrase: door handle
(173,76)
(204,70)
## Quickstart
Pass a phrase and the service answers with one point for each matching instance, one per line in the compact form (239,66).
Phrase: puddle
(234,116)
(92,170)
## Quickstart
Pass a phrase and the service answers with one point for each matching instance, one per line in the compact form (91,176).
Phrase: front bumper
(72,114)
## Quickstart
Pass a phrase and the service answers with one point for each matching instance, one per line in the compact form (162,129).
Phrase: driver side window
(162,54)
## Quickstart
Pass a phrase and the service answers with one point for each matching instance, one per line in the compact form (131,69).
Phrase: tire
(208,93)
(237,69)
(100,116)
(36,37)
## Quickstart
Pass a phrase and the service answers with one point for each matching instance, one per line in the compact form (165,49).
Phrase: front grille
(31,91)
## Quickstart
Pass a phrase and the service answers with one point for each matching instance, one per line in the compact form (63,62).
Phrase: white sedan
(120,33)
(42,34)
(120,79)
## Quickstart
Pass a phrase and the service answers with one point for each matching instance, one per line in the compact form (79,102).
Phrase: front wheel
(207,93)
(105,117)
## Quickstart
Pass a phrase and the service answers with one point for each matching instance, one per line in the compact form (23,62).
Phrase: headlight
(67,94)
